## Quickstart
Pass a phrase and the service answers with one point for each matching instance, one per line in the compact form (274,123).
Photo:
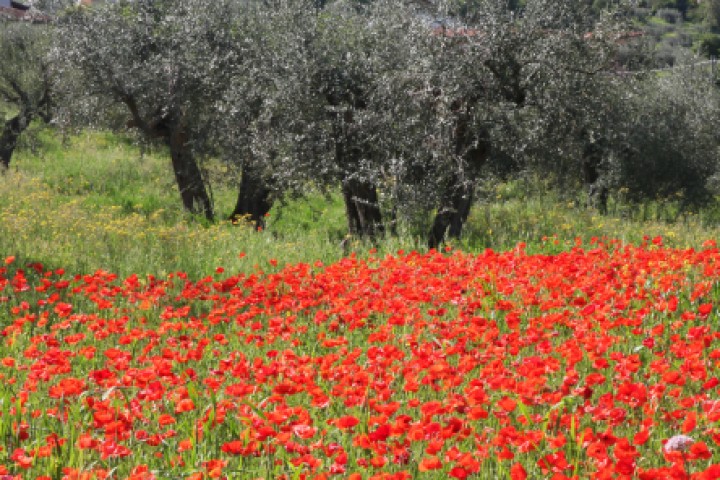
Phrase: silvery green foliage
(667,133)
(392,84)
(166,63)
(265,97)
(565,67)
(574,90)
(162,61)
(25,82)
(399,96)
(527,83)
(711,12)
(329,76)
(24,76)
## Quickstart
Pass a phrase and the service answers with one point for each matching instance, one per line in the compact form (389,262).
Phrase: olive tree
(25,82)
(510,85)
(260,105)
(350,63)
(669,138)
(332,117)
(166,62)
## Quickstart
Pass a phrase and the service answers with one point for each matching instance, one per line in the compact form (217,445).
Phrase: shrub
(708,45)
(670,15)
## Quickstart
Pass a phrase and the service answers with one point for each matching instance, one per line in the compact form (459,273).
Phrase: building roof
(19,6)
(11,13)
(17,11)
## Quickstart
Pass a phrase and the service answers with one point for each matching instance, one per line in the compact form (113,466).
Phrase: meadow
(139,343)
(98,200)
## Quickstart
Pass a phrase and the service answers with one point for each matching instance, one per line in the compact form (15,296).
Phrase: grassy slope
(98,202)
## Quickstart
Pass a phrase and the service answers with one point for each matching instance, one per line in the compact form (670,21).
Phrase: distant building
(12,10)
(14,5)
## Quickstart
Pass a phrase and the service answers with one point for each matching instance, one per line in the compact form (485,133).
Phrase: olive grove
(402,107)
(165,62)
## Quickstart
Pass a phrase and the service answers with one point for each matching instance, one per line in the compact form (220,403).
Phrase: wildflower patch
(599,362)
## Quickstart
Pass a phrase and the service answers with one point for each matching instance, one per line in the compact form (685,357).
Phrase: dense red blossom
(581,364)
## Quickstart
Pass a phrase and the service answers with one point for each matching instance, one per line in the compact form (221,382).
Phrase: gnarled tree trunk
(453,212)
(253,200)
(170,128)
(11,132)
(597,190)
(188,176)
(360,196)
(362,208)
(458,195)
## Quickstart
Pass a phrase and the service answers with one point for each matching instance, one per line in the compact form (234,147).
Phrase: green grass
(657,21)
(98,201)
(103,169)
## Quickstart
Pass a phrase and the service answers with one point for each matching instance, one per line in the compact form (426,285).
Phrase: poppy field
(598,362)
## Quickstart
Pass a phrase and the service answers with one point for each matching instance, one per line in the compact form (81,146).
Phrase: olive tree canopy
(405,112)
(333,115)
(25,83)
(508,85)
(166,63)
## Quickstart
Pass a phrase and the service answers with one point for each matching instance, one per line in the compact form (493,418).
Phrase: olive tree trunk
(253,201)
(597,189)
(188,176)
(360,196)
(453,212)
(11,132)
(362,208)
(458,195)
(170,128)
